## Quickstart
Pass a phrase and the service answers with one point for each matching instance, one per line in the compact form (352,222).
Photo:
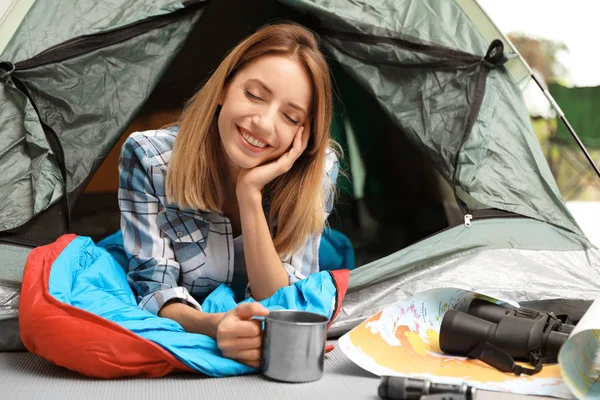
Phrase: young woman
(237,192)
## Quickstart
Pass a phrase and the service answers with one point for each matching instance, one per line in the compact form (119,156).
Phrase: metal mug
(294,346)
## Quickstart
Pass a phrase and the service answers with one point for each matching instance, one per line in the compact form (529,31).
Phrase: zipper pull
(468,218)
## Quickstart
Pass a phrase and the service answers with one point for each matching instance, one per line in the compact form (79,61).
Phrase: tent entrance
(391,195)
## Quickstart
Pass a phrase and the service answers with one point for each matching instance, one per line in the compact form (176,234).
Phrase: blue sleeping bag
(92,277)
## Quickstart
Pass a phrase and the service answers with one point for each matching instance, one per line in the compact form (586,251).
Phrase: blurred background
(558,39)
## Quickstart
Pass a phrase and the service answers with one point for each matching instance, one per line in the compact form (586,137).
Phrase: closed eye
(291,120)
(252,97)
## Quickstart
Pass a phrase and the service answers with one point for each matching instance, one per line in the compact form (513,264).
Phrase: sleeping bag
(78,311)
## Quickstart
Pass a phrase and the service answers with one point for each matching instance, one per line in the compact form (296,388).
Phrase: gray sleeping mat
(24,376)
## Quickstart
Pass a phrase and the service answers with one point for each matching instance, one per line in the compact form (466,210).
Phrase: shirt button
(179,234)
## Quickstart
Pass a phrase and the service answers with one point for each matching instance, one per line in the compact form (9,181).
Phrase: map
(579,358)
(403,340)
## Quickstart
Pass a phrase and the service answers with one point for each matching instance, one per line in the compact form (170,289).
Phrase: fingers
(258,177)
(249,356)
(239,337)
(292,155)
(299,138)
(233,327)
(253,363)
(232,346)
(251,309)
(241,344)
(246,355)
(300,141)
(305,137)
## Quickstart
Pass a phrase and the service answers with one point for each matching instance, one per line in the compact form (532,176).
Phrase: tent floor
(26,376)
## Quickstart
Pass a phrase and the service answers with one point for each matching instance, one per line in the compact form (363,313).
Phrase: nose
(264,122)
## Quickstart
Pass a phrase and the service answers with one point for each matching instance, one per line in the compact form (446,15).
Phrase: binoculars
(499,335)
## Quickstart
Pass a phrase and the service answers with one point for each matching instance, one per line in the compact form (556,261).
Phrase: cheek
(234,107)
(287,138)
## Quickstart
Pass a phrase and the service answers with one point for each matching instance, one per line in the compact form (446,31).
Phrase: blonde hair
(195,174)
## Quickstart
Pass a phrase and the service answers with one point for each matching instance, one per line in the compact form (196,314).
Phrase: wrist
(248,196)
(209,323)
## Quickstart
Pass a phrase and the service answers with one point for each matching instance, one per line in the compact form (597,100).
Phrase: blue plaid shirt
(184,254)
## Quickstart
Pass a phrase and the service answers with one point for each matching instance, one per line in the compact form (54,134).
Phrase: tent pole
(562,117)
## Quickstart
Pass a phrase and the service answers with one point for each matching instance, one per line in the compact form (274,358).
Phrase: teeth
(252,140)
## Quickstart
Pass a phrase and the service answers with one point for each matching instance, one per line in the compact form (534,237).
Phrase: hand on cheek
(253,180)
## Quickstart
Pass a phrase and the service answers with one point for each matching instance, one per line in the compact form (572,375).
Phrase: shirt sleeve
(153,270)
(305,261)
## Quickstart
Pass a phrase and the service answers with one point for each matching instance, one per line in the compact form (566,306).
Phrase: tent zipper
(468,218)
(86,43)
(488,213)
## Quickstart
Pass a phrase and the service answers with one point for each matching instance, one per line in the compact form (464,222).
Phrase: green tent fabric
(427,74)
(580,105)
(432,104)
(88,68)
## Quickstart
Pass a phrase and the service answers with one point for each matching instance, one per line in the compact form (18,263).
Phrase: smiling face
(262,109)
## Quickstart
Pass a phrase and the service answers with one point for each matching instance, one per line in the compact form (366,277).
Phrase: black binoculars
(499,335)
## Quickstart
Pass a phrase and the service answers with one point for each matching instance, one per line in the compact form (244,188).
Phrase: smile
(250,141)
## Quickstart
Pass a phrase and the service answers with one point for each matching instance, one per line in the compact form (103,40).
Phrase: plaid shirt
(184,254)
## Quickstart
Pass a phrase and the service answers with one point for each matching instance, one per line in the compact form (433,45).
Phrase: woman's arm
(305,261)
(238,335)
(265,270)
(191,319)
(153,270)
(263,264)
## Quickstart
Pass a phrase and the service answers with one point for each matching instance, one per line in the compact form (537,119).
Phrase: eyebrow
(268,90)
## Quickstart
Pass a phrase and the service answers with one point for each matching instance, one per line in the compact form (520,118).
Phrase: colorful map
(579,358)
(403,340)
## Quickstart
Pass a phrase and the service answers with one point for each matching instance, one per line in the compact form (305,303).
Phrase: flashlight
(400,388)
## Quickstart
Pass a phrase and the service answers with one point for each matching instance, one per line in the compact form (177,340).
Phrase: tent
(426,89)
